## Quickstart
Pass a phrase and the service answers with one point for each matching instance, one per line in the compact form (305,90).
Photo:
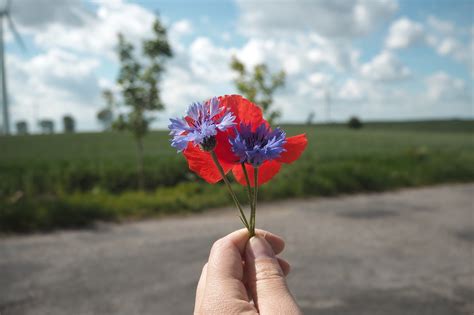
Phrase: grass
(64,181)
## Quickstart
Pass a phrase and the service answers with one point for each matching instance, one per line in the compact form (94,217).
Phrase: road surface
(404,252)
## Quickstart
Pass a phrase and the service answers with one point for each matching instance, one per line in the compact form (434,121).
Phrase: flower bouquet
(229,133)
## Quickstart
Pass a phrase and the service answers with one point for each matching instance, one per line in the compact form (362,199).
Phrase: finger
(284,265)
(277,243)
(225,259)
(266,279)
(225,270)
(226,253)
(201,288)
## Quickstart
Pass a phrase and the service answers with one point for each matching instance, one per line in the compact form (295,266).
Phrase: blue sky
(377,59)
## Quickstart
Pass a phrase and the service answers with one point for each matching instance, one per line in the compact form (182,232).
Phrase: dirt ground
(404,252)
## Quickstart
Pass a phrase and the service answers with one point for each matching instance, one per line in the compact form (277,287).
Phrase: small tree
(106,115)
(138,83)
(22,127)
(258,86)
(354,123)
(69,124)
(46,126)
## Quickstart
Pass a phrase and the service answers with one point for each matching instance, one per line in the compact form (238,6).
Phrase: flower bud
(209,143)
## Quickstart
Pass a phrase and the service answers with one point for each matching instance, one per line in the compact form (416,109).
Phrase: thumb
(266,280)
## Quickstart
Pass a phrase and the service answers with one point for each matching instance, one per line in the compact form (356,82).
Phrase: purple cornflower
(200,125)
(258,146)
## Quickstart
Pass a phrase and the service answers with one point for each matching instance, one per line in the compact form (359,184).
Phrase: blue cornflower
(256,147)
(201,125)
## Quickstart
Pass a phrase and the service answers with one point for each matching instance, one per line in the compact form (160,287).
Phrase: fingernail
(259,248)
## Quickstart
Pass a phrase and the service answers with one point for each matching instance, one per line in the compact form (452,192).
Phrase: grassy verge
(313,175)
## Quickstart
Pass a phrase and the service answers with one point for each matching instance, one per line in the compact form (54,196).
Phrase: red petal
(201,163)
(223,148)
(265,172)
(294,146)
(244,110)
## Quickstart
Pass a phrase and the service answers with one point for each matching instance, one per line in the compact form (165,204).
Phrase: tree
(46,126)
(22,127)
(138,84)
(69,124)
(258,86)
(354,123)
(106,115)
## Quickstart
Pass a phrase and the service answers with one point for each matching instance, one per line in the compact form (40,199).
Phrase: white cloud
(177,31)
(49,87)
(287,54)
(290,55)
(197,72)
(328,18)
(385,67)
(443,87)
(403,33)
(38,14)
(254,51)
(448,46)
(292,65)
(319,79)
(352,90)
(182,27)
(452,47)
(315,87)
(180,88)
(206,65)
(99,34)
(440,26)
(208,61)
(443,96)
(338,54)
(448,40)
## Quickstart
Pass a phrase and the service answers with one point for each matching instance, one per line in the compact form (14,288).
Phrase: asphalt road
(406,252)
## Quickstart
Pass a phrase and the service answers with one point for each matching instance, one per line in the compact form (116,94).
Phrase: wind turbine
(5,15)
(327,98)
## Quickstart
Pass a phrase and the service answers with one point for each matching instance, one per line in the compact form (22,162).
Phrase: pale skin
(245,276)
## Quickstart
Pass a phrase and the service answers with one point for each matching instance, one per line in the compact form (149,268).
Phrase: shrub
(354,123)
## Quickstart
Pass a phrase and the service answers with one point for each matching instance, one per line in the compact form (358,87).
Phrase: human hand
(240,271)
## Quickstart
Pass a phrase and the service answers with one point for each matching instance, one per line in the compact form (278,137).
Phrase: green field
(71,180)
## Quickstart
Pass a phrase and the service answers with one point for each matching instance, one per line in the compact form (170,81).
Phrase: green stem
(231,191)
(251,201)
(255,193)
